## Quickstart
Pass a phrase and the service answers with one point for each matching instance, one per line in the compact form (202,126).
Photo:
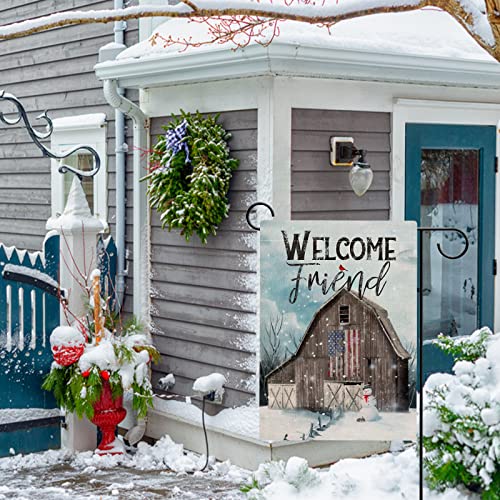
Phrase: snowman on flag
(368,411)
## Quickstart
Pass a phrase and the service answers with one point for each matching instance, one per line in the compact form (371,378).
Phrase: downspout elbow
(117,101)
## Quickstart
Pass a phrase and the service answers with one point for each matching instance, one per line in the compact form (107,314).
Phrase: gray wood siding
(53,71)
(322,192)
(204,296)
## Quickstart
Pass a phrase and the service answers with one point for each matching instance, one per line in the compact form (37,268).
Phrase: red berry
(86,373)
(105,375)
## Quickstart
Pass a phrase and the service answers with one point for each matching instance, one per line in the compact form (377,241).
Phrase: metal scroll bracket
(254,205)
(421,231)
(37,136)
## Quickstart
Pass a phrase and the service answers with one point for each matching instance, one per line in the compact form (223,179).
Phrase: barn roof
(382,317)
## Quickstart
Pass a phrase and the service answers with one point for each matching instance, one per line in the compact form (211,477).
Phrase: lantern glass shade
(361,178)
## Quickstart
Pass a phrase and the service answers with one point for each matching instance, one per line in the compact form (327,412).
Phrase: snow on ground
(159,471)
(420,33)
(387,477)
(58,475)
(274,424)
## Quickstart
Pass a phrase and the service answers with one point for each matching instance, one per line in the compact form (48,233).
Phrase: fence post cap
(77,215)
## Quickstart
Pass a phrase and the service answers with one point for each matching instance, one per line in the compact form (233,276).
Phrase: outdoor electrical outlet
(214,398)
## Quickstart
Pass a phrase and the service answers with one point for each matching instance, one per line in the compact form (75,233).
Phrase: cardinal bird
(342,268)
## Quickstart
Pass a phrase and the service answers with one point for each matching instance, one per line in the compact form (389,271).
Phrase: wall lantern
(343,153)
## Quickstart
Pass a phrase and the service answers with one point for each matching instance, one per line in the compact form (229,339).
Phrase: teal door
(450,182)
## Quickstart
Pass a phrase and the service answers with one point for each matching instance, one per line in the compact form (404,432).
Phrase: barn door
(346,397)
(450,182)
(282,396)
(334,395)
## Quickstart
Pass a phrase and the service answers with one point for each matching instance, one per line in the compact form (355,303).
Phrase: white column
(78,230)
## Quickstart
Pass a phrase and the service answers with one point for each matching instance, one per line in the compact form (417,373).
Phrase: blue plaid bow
(175,142)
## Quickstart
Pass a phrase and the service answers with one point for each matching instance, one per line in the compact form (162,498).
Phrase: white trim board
(68,133)
(288,59)
(249,452)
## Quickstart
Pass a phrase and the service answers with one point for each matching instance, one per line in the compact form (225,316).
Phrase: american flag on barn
(344,354)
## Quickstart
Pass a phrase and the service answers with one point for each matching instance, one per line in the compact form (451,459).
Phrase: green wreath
(190,173)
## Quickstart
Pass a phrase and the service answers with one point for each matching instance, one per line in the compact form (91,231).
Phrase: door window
(449,183)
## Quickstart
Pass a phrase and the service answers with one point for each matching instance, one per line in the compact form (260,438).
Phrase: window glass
(344,315)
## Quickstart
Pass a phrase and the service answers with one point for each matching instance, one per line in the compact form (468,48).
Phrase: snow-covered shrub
(291,477)
(461,435)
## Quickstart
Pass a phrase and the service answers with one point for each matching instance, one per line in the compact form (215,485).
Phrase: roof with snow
(422,44)
(380,313)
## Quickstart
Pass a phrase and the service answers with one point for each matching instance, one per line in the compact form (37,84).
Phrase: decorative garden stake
(96,287)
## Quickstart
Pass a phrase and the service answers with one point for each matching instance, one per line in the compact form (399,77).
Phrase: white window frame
(89,130)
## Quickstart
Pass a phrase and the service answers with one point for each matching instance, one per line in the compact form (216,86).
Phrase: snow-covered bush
(461,435)
(288,478)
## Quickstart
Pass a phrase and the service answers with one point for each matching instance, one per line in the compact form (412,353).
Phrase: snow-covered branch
(247,17)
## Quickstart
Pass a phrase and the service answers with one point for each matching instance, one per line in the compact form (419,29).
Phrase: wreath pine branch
(189,188)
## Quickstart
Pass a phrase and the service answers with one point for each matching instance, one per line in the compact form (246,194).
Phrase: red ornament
(86,373)
(105,375)
(66,355)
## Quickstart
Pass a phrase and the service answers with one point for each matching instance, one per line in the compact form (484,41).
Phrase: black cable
(202,421)
(204,432)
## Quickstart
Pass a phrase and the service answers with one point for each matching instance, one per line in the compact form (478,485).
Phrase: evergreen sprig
(469,348)
(192,195)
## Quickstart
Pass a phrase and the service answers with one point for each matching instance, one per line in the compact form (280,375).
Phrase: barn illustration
(349,343)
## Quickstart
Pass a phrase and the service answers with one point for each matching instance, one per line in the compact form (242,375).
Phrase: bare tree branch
(246,17)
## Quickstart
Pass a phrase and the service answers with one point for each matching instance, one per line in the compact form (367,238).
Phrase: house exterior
(372,355)
(53,71)
(409,105)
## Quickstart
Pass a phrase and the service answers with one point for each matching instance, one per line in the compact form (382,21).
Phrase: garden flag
(338,330)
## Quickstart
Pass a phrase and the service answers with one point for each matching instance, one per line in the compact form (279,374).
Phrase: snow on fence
(29,302)
(29,310)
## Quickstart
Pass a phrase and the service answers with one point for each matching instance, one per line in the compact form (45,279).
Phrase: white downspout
(141,226)
(120,151)
(140,221)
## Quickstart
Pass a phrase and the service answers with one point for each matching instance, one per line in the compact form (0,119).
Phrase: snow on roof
(426,32)
(79,121)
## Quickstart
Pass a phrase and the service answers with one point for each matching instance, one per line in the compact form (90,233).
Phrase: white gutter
(140,222)
(293,60)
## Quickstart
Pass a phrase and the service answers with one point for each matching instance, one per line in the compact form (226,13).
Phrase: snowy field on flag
(274,424)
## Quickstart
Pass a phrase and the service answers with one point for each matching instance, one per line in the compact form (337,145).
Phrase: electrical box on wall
(342,151)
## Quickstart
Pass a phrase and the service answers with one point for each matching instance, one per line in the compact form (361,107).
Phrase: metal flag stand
(421,231)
